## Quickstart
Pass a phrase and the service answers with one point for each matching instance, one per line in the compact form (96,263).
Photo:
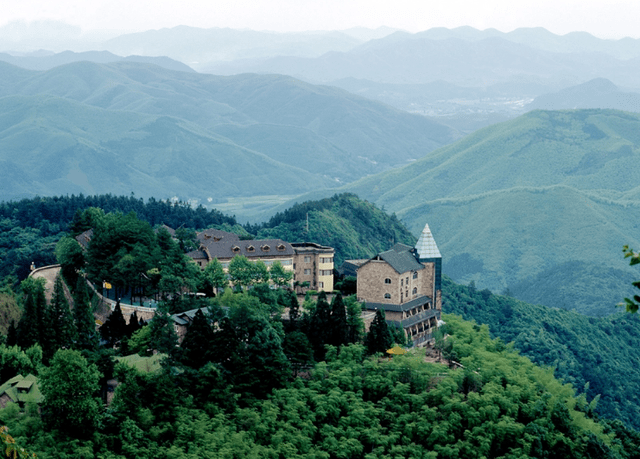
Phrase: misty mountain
(46,61)
(596,93)
(195,46)
(545,192)
(129,126)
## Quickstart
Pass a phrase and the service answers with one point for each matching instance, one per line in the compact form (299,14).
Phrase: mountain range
(135,127)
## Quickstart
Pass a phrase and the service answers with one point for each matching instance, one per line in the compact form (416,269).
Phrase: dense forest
(250,381)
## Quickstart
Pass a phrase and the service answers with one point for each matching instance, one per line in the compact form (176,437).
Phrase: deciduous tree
(69,386)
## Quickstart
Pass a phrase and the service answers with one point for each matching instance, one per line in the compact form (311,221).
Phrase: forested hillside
(259,385)
(353,227)
(600,352)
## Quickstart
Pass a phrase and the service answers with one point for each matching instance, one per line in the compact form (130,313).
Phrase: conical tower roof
(426,245)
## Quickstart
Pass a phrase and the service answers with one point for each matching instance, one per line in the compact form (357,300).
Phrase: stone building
(405,281)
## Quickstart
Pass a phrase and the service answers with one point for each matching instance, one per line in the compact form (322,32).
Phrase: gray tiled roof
(401,258)
(225,248)
(84,238)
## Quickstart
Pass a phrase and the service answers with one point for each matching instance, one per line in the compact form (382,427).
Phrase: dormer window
(281,247)
(251,248)
(235,249)
(265,248)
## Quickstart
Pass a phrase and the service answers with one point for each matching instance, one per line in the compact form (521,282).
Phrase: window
(321,284)
(286,263)
(265,248)
(407,280)
(387,281)
(326,260)
(251,248)
(415,290)
(401,282)
(415,275)
(307,259)
(387,295)
(235,249)
(307,271)
(326,272)
(281,247)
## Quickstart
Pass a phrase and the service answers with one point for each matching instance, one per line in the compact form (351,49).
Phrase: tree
(162,335)
(69,386)
(60,329)
(197,342)
(339,330)
(319,327)
(280,276)
(354,319)
(32,320)
(87,337)
(115,327)
(632,305)
(71,258)
(379,338)
(241,272)
(213,277)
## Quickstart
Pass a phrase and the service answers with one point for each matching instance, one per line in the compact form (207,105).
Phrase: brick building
(405,281)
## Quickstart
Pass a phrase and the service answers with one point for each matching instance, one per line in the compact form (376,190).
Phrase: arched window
(387,281)
(415,275)
(387,296)
(415,290)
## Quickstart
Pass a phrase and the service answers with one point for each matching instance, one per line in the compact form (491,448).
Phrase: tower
(427,252)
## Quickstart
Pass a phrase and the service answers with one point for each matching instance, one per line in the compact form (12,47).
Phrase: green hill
(353,227)
(519,199)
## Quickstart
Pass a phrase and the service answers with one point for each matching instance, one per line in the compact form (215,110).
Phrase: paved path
(49,274)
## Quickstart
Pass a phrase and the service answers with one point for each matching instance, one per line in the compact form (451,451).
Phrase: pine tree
(294,311)
(133,325)
(28,325)
(339,330)
(197,342)
(60,331)
(12,335)
(87,337)
(115,326)
(319,327)
(378,338)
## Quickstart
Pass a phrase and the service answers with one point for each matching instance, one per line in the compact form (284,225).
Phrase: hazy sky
(603,18)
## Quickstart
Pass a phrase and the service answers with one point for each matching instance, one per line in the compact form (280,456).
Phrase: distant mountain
(596,93)
(540,38)
(159,132)
(41,61)
(513,201)
(416,58)
(196,46)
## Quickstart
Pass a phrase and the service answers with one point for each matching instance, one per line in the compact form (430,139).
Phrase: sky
(604,19)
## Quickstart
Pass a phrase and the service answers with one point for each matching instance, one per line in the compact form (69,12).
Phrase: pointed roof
(426,245)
